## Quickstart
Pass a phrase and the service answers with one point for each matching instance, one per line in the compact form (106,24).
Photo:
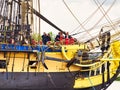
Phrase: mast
(45,19)
(39,12)
(39,20)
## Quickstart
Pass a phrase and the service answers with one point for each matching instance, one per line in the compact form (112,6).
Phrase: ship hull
(44,81)
(36,81)
(57,77)
(103,86)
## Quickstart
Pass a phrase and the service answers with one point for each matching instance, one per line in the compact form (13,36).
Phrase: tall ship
(65,64)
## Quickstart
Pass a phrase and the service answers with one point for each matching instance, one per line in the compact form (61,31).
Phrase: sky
(57,12)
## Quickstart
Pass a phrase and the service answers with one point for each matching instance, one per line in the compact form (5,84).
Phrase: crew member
(108,37)
(102,38)
(71,41)
(57,38)
(44,38)
(61,39)
(67,38)
(105,40)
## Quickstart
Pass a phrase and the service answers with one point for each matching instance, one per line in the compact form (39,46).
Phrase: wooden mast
(39,18)
(39,21)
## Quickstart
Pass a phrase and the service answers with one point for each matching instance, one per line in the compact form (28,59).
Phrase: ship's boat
(53,66)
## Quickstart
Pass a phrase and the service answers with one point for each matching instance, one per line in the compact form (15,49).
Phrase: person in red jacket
(67,38)
(61,38)
(72,40)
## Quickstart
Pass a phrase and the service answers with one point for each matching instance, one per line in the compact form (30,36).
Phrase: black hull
(44,81)
(36,81)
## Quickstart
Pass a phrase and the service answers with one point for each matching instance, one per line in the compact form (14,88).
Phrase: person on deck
(44,38)
(105,40)
(102,39)
(61,38)
(108,37)
(12,38)
(72,40)
(57,38)
(48,37)
(67,38)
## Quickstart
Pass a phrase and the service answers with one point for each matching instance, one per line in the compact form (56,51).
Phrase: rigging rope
(86,21)
(18,12)
(13,12)
(76,18)
(2,5)
(101,18)
(10,13)
(106,16)
(4,16)
(1,16)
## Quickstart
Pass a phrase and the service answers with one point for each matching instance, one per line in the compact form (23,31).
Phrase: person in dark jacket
(48,38)
(57,38)
(102,36)
(108,37)
(44,38)
(105,40)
